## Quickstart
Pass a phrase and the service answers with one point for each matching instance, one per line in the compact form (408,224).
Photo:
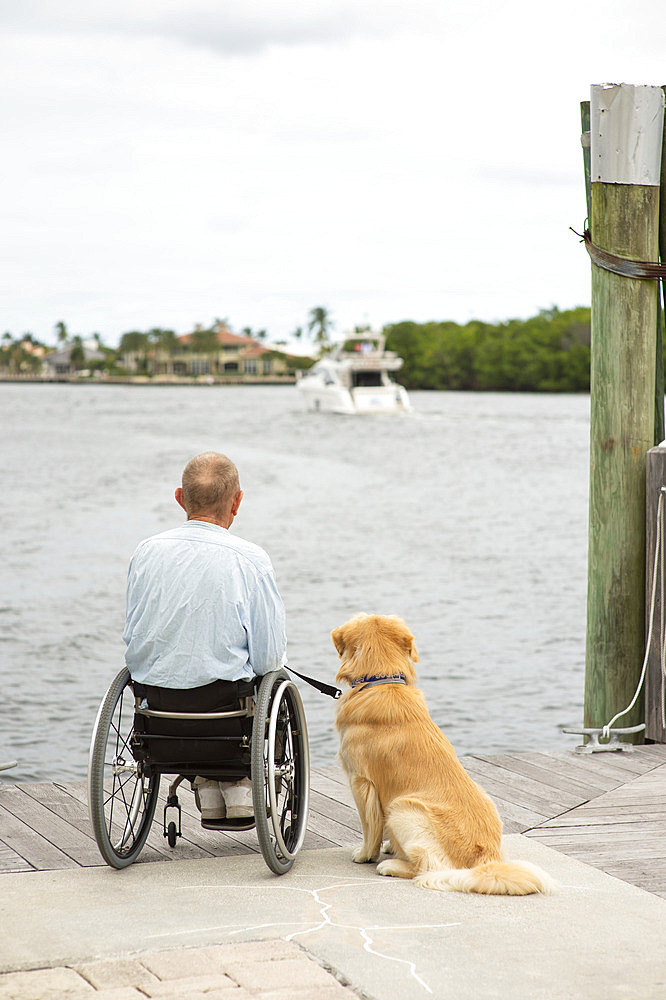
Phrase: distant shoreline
(161,380)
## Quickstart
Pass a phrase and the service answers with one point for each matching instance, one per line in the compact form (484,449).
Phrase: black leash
(328,689)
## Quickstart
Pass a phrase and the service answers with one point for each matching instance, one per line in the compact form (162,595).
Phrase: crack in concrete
(326,921)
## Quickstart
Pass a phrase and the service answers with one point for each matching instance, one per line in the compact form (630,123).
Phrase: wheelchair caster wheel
(172,834)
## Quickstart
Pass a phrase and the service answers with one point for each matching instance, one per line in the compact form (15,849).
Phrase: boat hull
(361,400)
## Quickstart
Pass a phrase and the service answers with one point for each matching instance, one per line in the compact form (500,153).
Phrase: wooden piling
(626,136)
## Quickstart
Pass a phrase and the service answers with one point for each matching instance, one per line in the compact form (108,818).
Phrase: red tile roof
(226,338)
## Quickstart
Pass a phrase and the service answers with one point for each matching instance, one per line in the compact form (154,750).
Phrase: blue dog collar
(365,682)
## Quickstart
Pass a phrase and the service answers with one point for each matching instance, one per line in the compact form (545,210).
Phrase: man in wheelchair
(204,616)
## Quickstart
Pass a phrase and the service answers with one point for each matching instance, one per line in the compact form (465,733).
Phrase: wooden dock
(607,810)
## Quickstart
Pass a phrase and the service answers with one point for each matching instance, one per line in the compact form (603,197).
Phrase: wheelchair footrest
(241,823)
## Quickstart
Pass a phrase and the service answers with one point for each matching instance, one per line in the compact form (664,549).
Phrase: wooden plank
(339,811)
(58,800)
(548,776)
(561,798)
(516,819)
(651,751)
(511,826)
(630,871)
(570,766)
(655,777)
(618,766)
(336,833)
(612,858)
(333,789)
(30,845)
(10,861)
(619,833)
(495,782)
(314,842)
(334,772)
(78,846)
(599,817)
(626,764)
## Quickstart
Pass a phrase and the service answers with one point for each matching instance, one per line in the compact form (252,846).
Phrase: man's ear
(236,504)
(179,497)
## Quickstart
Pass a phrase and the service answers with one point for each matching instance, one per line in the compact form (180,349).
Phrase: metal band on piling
(650,270)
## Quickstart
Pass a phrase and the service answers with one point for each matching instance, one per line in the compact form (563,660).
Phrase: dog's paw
(390,868)
(361,856)
(396,868)
(387,847)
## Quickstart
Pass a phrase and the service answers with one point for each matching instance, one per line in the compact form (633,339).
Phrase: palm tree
(204,341)
(319,326)
(61,331)
(134,345)
(163,340)
(77,357)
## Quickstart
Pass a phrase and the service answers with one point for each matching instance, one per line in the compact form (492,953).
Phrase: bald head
(211,489)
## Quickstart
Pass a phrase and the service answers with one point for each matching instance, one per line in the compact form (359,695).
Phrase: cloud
(237,27)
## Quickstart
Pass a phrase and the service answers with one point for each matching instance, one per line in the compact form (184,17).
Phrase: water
(468,519)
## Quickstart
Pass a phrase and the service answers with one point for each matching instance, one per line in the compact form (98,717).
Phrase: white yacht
(354,378)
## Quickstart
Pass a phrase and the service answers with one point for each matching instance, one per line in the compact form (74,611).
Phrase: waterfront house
(59,361)
(217,353)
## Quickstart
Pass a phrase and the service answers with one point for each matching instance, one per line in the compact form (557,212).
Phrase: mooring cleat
(611,741)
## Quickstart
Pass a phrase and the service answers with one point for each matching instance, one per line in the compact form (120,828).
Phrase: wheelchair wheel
(280,771)
(121,799)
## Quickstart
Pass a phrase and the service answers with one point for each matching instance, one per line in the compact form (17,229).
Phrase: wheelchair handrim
(303,804)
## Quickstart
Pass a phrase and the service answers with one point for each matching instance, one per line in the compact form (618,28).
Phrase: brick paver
(262,970)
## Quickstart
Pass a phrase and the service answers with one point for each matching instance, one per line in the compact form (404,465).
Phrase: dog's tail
(493,878)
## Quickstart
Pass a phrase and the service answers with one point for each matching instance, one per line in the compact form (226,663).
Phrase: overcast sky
(170,162)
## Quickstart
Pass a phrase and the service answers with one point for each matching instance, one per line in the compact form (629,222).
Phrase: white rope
(662,648)
(658,551)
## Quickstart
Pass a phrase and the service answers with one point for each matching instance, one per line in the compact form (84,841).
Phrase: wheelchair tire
(121,799)
(280,771)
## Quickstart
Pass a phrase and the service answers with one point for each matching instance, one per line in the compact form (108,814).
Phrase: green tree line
(548,353)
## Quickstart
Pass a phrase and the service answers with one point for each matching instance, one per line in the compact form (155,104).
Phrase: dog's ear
(338,637)
(407,640)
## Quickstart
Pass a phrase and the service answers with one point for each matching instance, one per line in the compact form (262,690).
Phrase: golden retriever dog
(443,830)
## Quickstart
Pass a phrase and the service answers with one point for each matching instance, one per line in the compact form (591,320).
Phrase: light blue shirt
(202,605)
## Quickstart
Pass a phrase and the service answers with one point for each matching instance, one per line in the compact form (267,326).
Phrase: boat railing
(387,359)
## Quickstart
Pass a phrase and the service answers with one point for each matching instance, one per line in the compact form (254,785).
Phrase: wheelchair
(262,736)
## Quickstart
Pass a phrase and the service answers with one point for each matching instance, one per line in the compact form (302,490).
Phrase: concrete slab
(597,936)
